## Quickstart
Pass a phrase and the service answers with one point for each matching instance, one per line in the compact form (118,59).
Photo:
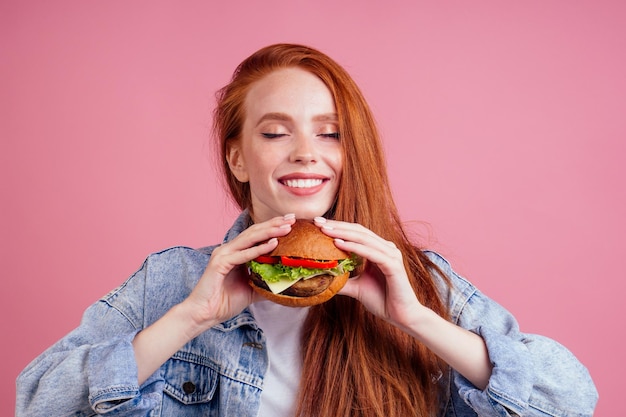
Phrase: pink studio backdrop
(504,125)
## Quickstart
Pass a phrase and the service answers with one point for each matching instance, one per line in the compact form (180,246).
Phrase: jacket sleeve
(93,368)
(532,375)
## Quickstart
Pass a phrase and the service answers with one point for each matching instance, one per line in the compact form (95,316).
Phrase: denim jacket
(92,370)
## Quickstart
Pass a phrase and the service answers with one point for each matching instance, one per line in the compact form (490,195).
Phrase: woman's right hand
(223,291)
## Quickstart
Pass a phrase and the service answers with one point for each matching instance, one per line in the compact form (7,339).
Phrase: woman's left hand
(384,289)
(383,286)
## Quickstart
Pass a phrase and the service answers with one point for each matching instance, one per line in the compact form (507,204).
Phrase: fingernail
(339,240)
(285,226)
(319,219)
(289,216)
(327,227)
(272,240)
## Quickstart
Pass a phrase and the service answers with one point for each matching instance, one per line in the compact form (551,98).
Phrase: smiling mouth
(303,183)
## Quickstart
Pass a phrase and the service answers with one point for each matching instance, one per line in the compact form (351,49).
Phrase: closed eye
(334,135)
(273,135)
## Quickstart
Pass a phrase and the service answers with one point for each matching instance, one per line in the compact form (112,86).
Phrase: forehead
(289,90)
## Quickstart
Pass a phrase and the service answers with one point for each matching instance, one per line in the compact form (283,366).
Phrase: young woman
(186,336)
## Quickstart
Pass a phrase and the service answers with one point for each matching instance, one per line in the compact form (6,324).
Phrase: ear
(235,160)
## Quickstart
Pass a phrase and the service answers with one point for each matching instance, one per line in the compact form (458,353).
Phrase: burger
(305,268)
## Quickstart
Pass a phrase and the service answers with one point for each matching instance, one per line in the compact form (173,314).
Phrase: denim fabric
(92,370)
(532,375)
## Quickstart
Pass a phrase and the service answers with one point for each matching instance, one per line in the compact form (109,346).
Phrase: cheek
(262,165)
(257,158)
(337,162)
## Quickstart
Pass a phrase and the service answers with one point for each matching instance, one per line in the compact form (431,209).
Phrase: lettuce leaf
(277,272)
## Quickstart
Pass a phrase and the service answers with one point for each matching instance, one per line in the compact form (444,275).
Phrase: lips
(303,182)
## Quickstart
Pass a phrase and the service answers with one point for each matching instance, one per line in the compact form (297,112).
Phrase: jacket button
(189,387)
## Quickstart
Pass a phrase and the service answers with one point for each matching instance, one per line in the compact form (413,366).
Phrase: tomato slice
(266,259)
(307,263)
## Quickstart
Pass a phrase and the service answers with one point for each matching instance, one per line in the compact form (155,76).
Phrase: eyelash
(272,135)
(334,135)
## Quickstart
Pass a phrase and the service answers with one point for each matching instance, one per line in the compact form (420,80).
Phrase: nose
(304,150)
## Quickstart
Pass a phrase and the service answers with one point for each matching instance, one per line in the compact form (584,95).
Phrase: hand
(223,292)
(383,286)
(384,289)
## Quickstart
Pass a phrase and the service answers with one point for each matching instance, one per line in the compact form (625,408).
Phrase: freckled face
(289,150)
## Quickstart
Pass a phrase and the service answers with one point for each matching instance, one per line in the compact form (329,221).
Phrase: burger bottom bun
(290,301)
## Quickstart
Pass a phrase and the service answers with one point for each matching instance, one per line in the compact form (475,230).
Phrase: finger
(387,260)
(225,258)
(261,232)
(353,232)
(257,239)
(375,249)
(357,239)
(351,288)
(339,226)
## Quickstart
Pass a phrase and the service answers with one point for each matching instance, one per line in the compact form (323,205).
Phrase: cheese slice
(281,285)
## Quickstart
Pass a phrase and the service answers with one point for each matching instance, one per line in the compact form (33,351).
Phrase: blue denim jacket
(220,373)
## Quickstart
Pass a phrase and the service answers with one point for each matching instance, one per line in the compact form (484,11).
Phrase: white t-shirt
(282,327)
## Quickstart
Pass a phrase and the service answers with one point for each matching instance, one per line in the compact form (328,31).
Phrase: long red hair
(354,364)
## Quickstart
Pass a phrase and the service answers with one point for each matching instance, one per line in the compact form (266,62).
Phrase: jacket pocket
(188,380)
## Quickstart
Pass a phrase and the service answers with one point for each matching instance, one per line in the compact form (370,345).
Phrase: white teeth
(303,183)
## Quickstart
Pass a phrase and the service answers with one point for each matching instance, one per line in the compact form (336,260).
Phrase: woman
(186,335)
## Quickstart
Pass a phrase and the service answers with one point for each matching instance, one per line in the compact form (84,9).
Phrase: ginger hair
(354,363)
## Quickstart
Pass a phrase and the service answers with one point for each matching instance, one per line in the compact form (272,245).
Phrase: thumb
(351,288)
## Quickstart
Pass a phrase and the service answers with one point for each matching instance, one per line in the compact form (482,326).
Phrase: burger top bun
(306,240)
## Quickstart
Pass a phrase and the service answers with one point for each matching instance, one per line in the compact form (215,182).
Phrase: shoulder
(467,305)
(178,261)
(164,279)
(456,282)
(463,298)
(178,256)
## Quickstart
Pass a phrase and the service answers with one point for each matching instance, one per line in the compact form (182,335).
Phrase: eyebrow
(283,117)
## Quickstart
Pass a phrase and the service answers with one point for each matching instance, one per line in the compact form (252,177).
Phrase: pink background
(504,124)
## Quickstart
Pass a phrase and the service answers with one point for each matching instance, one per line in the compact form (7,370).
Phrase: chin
(309,214)
(310,211)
